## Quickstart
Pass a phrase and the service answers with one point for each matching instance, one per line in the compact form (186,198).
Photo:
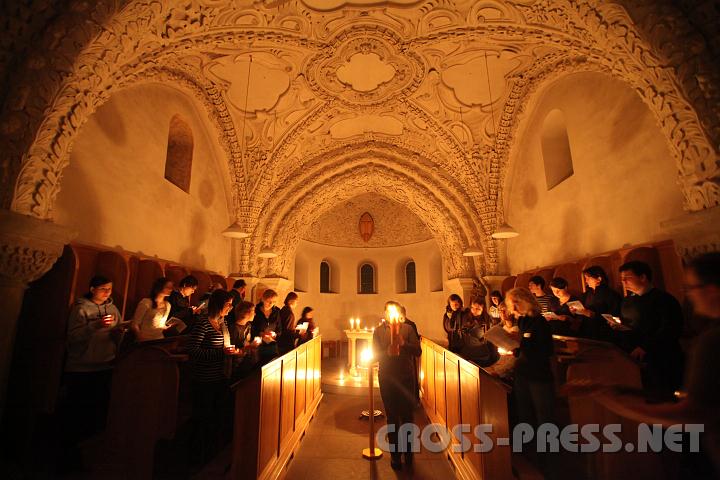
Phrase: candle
(352,321)
(394,320)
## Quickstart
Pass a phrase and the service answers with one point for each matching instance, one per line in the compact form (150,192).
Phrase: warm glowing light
(393,314)
(502,351)
(366,356)
(422,375)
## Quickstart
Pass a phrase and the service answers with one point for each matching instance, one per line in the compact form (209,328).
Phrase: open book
(500,338)
(302,327)
(177,323)
(576,305)
(615,322)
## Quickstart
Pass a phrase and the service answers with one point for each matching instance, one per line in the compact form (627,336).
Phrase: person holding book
(150,319)
(536,285)
(180,307)
(655,319)
(598,299)
(496,299)
(562,320)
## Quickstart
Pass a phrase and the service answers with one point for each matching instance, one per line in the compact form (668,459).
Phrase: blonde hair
(525,300)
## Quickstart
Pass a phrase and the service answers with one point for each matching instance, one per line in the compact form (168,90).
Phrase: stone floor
(332,446)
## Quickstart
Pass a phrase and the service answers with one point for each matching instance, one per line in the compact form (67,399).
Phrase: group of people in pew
(227,339)
(647,323)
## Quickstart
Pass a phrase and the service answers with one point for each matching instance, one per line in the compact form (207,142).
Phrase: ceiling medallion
(365,67)
(367,226)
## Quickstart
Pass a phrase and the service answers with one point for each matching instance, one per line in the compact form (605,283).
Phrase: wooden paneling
(175,273)
(204,283)
(452,391)
(439,383)
(572,273)
(466,394)
(508,284)
(300,388)
(115,267)
(287,411)
(270,404)
(523,279)
(147,272)
(269,418)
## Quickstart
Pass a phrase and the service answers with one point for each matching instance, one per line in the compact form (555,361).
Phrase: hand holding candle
(393,320)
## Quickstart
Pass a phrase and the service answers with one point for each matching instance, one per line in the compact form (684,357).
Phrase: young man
(179,301)
(656,320)
(238,296)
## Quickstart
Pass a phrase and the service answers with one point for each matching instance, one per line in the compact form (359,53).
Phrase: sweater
(151,321)
(90,349)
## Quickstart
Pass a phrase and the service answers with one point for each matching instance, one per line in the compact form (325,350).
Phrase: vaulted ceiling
(414,100)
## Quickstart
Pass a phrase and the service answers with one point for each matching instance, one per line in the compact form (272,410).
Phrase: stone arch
(446,213)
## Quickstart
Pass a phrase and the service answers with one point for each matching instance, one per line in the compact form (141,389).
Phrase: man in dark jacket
(656,321)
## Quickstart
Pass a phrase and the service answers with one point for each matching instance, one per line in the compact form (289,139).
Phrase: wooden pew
(507,285)
(143,406)
(272,410)
(572,273)
(204,283)
(456,391)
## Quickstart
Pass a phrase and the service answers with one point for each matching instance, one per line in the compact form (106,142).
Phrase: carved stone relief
(404,77)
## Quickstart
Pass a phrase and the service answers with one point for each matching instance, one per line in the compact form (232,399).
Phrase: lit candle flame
(502,351)
(366,356)
(393,314)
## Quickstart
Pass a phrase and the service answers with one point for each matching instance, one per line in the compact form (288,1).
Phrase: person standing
(91,347)
(288,337)
(238,296)
(396,353)
(266,326)
(151,314)
(656,321)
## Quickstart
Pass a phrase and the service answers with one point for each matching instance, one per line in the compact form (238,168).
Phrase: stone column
(28,248)
(282,286)
(464,287)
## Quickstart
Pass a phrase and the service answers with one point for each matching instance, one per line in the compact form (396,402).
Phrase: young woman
(563,322)
(454,322)
(151,314)
(266,326)
(598,299)
(245,358)
(397,377)
(288,338)
(308,316)
(534,388)
(477,316)
(496,299)
(92,334)
(208,347)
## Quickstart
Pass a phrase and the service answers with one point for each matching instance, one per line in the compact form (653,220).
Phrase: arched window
(178,163)
(367,278)
(556,149)
(324,277)
(410,284)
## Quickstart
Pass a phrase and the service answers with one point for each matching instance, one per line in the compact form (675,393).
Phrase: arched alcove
(178,161)
(556,153)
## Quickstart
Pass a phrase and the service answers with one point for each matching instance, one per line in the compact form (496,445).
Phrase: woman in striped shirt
(208,347)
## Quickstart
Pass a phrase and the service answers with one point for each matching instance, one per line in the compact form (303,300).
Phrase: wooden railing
(272,411)
(455,391)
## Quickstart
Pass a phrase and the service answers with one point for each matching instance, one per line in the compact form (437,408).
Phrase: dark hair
(268,294)
(217,301)
(707,268)
(478,300)
(188,281)
(638,268)
(454,298)
(95,282)
(239,283)
(559,282)
(290,297)
(597,271)
(242,309)
(497,294)
(157,287)
(537,280)
(305,311)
